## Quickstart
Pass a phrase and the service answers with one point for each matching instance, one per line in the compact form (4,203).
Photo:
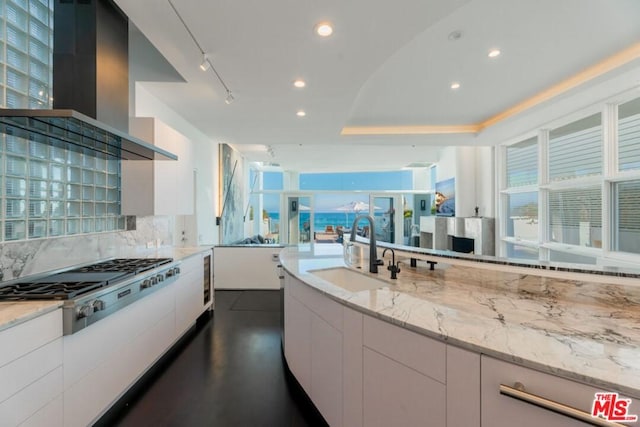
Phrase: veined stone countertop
(13,313)
(177,253)
(577,329)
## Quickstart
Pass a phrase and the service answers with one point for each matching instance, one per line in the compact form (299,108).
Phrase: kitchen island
(569,338)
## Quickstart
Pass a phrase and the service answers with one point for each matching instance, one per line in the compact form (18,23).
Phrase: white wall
(485,181)
(473,169)
(466,197)
(446,166)
(422,179)
(199,228)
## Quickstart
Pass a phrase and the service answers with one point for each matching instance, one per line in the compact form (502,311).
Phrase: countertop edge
(26,310)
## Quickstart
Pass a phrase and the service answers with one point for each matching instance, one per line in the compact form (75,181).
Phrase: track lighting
(206,63)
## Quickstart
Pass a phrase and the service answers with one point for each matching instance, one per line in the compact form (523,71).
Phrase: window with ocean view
(322,206)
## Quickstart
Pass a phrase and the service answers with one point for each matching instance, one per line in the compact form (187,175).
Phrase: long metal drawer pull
(517,392)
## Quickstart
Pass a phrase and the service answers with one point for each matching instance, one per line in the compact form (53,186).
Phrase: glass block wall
(26,46)
(46,189)
(52,191)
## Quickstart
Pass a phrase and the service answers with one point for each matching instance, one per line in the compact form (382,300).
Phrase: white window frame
(609,177)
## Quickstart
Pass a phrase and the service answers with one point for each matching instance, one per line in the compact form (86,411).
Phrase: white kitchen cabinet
(102,361)
(500,410)
(425,355)
(463,388)
(313,347)
(159,187)
(404,377)
(52,415)
(190,302)
(396,395)
(231,272)
(326,370)
(31,371)
(297,331)
(352,367)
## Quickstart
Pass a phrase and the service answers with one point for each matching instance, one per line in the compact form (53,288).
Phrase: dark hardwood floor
(230,373)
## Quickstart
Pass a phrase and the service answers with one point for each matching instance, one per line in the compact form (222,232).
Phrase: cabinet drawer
(192,264)
(93,394)
(31,399)
(500,410)
(320,304)
(23,371)
(395,395)
(27,336)
(89,348)
(50,416)
(416,351)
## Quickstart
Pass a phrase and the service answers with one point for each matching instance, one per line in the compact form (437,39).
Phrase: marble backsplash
(24,258)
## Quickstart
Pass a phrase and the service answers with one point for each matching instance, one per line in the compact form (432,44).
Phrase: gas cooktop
(79,281)
(128,265)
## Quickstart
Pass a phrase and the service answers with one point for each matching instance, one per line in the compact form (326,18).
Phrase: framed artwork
(445,197)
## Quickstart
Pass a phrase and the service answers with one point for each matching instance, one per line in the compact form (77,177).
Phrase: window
(521,200)
(627,218)
(523,216)
(567,195)
(575,216)
(575,150)
(522,163)
(629,135)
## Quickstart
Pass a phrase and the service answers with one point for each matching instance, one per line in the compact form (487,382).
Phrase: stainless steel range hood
(73,130)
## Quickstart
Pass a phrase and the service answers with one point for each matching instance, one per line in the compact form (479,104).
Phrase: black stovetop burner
(74,283)
(47,291)
(128,265)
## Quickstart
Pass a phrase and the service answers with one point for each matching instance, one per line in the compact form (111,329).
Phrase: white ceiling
(388,63)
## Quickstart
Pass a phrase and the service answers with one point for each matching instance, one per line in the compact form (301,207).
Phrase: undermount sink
(349,280)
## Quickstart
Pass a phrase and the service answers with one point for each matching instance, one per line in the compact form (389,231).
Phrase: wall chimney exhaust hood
(72,130)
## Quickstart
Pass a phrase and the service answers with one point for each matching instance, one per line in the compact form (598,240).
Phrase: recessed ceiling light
(324,29)
(455,35)
(455,85)
(299,83)
(493,53)
(301,113)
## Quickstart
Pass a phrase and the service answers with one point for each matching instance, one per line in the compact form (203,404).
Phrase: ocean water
(322,219)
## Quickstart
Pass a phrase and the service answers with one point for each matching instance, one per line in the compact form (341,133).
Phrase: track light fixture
(204,65)
(206,60)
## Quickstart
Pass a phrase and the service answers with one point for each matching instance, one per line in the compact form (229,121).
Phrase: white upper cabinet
(159,187)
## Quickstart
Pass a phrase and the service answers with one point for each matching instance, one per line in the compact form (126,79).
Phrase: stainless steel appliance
(92,292)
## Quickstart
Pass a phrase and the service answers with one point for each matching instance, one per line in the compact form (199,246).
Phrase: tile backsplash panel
(24,258)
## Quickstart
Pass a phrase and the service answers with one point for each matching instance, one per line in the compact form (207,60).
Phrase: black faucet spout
(392,267)
(374,262)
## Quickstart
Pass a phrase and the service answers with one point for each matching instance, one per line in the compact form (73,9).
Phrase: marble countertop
(177,253)
(577,329)
(484,261)
(13,313)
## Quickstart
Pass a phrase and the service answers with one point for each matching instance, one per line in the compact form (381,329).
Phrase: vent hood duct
(75,131)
